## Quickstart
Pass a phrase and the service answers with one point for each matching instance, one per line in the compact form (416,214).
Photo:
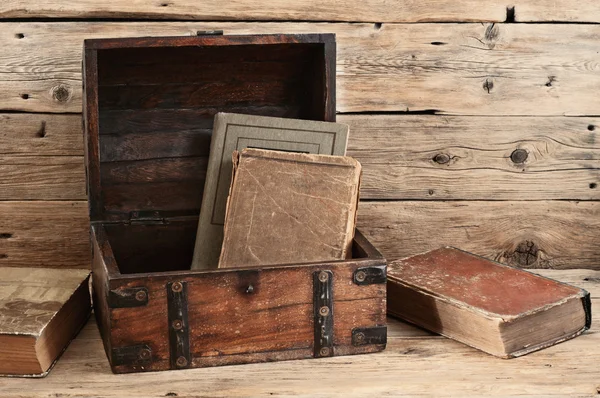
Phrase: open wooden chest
(148,110)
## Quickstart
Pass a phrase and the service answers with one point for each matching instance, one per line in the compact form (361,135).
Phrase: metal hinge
(146,217)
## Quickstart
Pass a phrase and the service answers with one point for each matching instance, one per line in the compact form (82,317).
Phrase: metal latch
(209,33)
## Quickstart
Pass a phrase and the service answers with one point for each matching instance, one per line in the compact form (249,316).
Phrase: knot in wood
(61,93)
(492,32)
(525,255)
(488,85)
(441,158)
(519,156)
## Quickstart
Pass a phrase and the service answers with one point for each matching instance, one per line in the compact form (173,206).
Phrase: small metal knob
(181,362)
(145,354)
(177,287)
(141,295)
(359,337)
(323,276)
(361,276)
(177,324)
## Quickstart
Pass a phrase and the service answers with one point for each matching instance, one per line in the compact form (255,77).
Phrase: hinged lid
(149,105)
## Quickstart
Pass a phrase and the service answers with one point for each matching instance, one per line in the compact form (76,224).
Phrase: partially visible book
(504,311)
(235,132)
(290,208)
(41,311)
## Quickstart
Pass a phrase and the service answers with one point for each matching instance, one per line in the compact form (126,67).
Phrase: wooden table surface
(415,363)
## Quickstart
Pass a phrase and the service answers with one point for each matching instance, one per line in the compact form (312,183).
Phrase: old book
(41,311)
(504,311)
(290,208)
(235,132)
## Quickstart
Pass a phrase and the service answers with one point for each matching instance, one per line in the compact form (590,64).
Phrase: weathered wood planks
(42,178)
(310,10)
(556,11)
(44,234)
(471,69)
(528,234)
(538,234)
(412,359)
(302,10)
(489,158)
(403,157)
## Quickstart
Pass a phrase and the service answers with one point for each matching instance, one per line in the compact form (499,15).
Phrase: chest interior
(155,110)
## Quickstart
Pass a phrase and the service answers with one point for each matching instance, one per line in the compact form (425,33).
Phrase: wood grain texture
(448,157)
(264,321)
(311,10)
(537,234)
(548,234)
(473,69)
(303,10)
(38,177)
(40,135)
(412,359)
(398,154)
(44,234)
(556,11)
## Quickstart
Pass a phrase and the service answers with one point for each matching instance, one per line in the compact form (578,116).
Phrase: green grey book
(236,132)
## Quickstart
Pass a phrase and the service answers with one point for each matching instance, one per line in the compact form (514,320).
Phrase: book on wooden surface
(41,311)
(504,311)
(235,132)
(290,208)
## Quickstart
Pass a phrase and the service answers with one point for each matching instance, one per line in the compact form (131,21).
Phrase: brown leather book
(504,311)
(41,311)
(289,208)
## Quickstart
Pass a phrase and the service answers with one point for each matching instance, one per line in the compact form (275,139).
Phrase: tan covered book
(504,311)
(41,311)
(235,132)
(290,208)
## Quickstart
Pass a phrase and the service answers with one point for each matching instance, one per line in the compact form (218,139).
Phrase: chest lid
(149,103)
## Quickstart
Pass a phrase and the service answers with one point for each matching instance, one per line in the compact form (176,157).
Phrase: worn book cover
(504,311)
(235,132)
(290,208)
(41,311)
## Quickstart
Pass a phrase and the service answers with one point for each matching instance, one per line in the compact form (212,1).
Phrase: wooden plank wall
(476,121)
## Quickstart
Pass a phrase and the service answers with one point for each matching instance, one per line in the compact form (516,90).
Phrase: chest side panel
(248,316)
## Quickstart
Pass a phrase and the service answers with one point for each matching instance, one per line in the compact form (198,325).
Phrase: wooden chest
(148,110)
